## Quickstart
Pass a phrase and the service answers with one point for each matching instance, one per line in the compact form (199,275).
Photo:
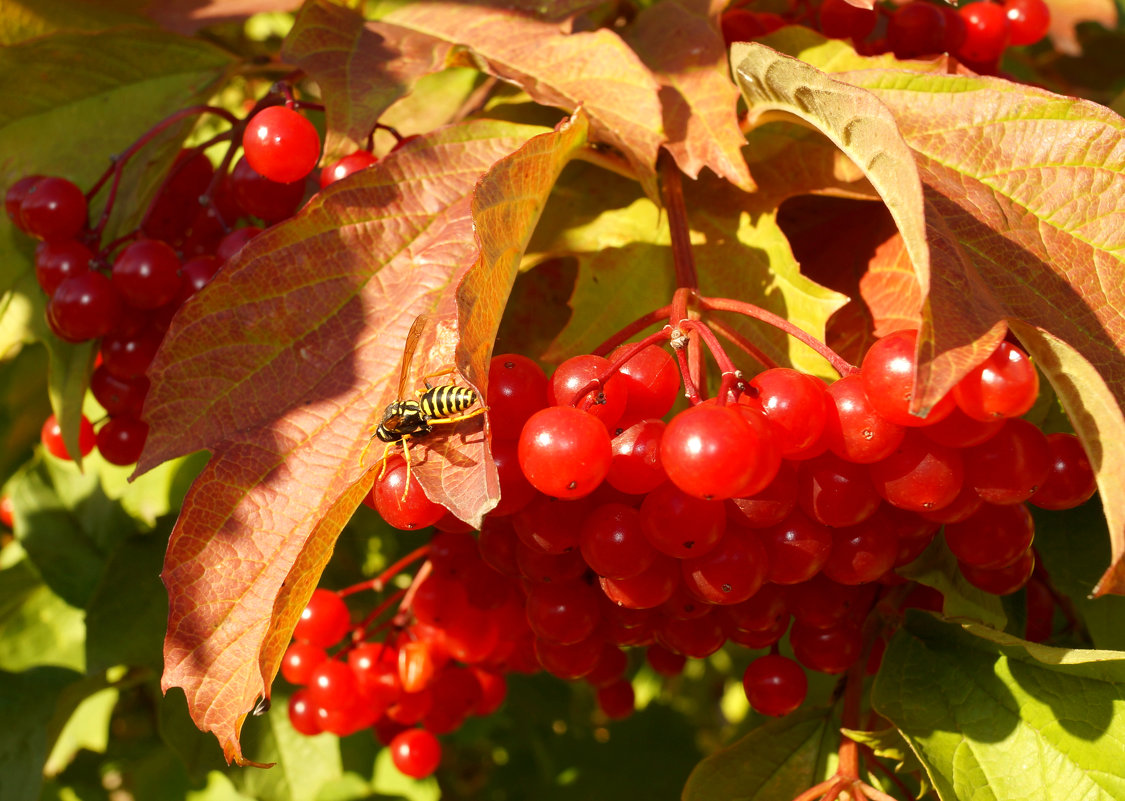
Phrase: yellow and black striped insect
(404,420)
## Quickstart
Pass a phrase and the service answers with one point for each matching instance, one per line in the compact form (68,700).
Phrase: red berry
(617,700)
(653,382)
(147,274)
(795,404)
(797,548)
(729,573)
(260,197)
(832,650)
(128,354)
(121,440)
(679,524)
(853,429)
(775,685)
(839,19)
(888,378)
(835,492)
(53,209)
(709,452)
(1028,20)
(564,452)
(993,537)
(13,198)
(1004,385)
(613,543)
(517,389)
(1070,481)
(302,714)
(645,590)
(353,162)
(84,307)
(862,553)
(233,242)
(1010,466)
(605,402)
(281,145)
(403,507)
(7,511)
(563,612)
(51,436)
(57,261)
(916,29)
(299,661)
(986,33)
(1005,580)
(635,467)
(324,621)
(920,476)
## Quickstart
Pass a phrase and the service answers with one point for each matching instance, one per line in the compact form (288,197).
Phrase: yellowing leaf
(281,367)
(592,69)
(680,45)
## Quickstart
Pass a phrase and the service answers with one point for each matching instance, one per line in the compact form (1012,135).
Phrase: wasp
(404,420)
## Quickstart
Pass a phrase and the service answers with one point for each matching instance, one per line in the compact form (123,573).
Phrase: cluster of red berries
(793,503)
(977,33)
(126,292)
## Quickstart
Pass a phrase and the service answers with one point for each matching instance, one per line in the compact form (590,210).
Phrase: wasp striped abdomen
(446,401)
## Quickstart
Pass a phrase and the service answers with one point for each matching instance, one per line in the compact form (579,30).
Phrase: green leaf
(1038,722)
(625,261)
(937,567)
(23,407)
(67,525)
(775,760)
(1074,551)
(128,611)
(37,627)
(27,19)
(87,728)
(301,764)
(27,706)
(196,750)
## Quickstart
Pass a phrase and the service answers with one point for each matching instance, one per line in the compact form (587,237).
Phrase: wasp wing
(408,349)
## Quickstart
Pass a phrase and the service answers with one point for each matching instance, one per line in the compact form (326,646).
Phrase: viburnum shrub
(566,392)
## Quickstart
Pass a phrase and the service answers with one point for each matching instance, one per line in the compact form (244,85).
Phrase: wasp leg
(426,378)
(457,419)
(406,456)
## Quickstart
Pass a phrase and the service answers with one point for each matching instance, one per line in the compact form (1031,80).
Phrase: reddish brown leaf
(679,42)
(592,69)
(361,67)
(281,367)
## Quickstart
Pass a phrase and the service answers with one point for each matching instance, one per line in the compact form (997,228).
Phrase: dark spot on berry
(726,588)
(509,365)
(689,544)
(572,485)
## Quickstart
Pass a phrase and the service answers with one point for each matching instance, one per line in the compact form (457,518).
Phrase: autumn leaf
(281,367)
(593,69)
(1024,206)
(361,68)
(682,47)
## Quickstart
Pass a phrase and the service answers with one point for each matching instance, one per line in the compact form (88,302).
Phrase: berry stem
(741,342)
(820,790)
(838,362)
(672,191)
(872,761)
(1065,605)
(732,378)
(625,356)
(359,631)
(381,580)
(607,161)
(117,168)
(635,327)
